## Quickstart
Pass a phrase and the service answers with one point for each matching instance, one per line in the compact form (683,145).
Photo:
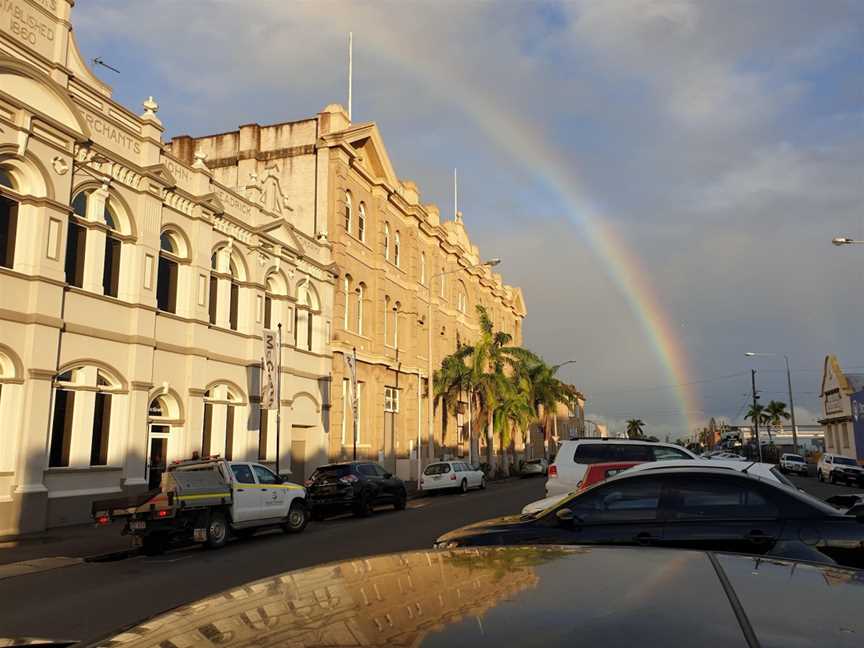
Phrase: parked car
(837,468)
(574,457)
(793,463)
(359,486)
(534,467)
(520,596)
(445,475)
(708,508)
(595,474)
(727,456)
(766,471)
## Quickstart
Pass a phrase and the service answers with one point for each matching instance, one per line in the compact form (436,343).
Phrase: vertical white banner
(351,365)
(269,376)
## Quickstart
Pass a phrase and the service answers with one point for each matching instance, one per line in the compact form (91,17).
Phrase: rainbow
(525,143)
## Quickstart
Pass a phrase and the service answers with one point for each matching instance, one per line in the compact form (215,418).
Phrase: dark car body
(355,485)
(688,508)
(526,596)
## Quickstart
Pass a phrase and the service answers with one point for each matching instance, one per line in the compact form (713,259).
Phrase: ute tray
(196,488)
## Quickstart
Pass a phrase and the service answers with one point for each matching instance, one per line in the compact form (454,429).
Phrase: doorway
(157,456)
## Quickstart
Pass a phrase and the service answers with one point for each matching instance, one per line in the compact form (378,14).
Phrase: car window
(265,475)
(436,469)
(620,501)
(662,453)
(845,461)
(591,453)
(711,498)
(339,470)
(367,469)
(242,473)
(382,471)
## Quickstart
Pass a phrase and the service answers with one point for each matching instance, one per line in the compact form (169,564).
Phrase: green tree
(758,416)
(776,413)
(635,429)
(546,393)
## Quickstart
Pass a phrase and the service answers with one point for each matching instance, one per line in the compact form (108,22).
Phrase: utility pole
(791,407)
(755,416)
(350,71)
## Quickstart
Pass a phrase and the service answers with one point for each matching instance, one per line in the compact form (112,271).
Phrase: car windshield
(437,469)
(779,476)
(845,461)
(794,458)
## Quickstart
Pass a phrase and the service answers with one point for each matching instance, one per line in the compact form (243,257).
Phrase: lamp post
(430,414)
(753,354)
(845,240)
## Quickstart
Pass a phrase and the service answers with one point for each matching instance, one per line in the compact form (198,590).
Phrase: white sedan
(451,474)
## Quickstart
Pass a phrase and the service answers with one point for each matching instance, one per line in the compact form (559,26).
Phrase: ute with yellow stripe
(208,501)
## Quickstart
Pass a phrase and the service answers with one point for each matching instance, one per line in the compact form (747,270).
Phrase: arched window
(423,268)
(397,249)
(8,219)
(76,241)
(163,415)
(91,390)
(275,296)
(111,269)
(386,316)
(387,241)
(349,212)
(213,303)
(461,298)
(361,294)
(234,302)
(304,316)
(166,280)
(347,314)
(220,402)
(396,307)
(361,223)
(310,325)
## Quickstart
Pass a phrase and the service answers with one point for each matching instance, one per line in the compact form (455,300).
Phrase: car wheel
(364,507)
(483,482)
(298,517)
(217,531)
(832,477)
(463,487)
(401,501)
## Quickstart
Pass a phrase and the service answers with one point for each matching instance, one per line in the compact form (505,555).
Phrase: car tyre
(401,501)
(217,531)
(463,487)
(832,477)
(483,482)
(298,517)
(364,507)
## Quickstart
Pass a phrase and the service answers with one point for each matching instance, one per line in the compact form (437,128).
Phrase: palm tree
(546,393)
(775,413)
(635,428)
(758,416)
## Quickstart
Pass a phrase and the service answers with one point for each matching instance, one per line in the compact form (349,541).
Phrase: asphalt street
(86,601)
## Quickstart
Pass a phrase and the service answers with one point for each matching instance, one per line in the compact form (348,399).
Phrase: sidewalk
(79,541)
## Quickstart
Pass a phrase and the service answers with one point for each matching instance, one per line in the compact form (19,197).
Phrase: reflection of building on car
(459,475)
(575,456)
(710,508)
(206,500)
(836,468)
(595,474)
(358,486)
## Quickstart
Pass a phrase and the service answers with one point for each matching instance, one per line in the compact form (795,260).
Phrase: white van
(574,457)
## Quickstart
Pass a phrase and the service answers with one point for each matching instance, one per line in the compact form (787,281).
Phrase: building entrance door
(157,456)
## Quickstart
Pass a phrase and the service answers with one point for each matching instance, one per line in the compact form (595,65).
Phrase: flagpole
(350,70)
(455,196)
(354,399)
(279,401)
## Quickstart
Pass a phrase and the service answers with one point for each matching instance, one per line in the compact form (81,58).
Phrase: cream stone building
(394,255)
(135,283)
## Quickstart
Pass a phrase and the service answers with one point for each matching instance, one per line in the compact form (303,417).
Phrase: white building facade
(134,291)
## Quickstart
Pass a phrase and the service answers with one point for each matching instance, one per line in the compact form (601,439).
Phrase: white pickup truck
(207,500)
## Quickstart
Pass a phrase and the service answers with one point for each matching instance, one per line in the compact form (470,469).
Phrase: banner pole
(279,402)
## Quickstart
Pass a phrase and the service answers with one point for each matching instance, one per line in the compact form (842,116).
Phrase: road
(86,601)
(823,490)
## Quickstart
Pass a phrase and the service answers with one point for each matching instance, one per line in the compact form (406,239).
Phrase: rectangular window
(235,299)
(8,228)
(101,427)
(229,432)
(262,434)
(214,298)
(111,271)
(391,399)
(76,237)
(61,428)
(207,432)
(346,407)
(166,286)
(268,312)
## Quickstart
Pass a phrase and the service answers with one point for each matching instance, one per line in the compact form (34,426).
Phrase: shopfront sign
(833,403)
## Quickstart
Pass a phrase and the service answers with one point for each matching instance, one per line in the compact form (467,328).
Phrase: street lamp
(845,240)
(753,354)
(430,415)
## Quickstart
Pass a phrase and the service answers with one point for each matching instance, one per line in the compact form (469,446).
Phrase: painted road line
(36,565)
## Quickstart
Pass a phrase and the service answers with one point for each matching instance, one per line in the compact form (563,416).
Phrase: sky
(661,178)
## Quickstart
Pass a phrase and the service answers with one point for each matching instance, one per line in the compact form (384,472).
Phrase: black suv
(358,485)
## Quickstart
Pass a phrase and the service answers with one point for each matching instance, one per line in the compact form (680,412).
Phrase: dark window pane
(628,452)
(591,453)
(75,242)
(229,432)
(79,204)
(262,435)
(703,499)
(268,311)
(243,474)
(166,286)
(207,432)
(111,271)
(339,470)
(61,428)
(101,428)
(235,298)
(367,469)
(8,230)
(309,331)
(167,243)
(264,476)
(214,297)
(628,500)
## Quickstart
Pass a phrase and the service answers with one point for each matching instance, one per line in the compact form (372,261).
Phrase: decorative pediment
(284,233)
(519,302)
(211,202)
(161,172)
(833,377)
(366,140)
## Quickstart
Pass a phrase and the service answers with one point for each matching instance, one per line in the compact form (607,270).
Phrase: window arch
(387,241)
(397,249)
(234,295)
(228,271)
(170,251)
(220,402)
(91,390)
(361,222)
(8,218)
(275,293)
(349,212)
(361,295)
(304,316)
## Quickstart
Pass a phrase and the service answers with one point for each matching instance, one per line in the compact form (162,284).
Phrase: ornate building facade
(394,255)
(134,289)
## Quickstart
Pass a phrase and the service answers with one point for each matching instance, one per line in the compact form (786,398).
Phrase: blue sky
(724,139)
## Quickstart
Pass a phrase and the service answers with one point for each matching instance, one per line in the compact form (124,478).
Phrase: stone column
(94,257)
(137,435)
(30,494)
(193,426)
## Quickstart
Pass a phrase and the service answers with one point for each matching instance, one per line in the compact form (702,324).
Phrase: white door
(274,496)
(247,494)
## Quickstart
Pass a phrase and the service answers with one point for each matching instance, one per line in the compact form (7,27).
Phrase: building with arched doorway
(134,290)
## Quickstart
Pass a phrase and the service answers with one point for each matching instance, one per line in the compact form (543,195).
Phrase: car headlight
(446,544)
